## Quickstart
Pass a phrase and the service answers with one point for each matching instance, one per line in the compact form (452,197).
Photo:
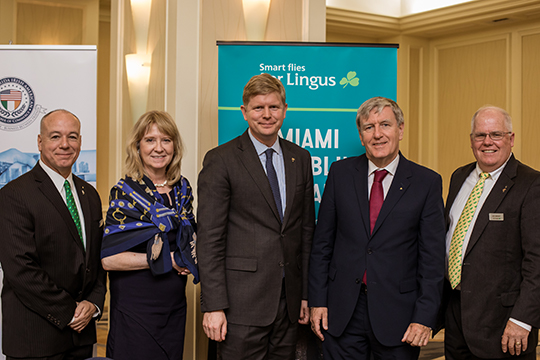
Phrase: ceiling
(471,16)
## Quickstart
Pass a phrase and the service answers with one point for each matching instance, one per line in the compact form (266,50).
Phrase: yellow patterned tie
(456,246)
(73,208)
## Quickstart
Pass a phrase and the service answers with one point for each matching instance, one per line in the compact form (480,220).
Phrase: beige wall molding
(471,16)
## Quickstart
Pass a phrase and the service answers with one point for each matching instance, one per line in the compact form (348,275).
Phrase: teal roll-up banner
(325,84)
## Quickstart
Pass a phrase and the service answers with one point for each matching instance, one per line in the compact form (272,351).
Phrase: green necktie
(456,246)
(73,208)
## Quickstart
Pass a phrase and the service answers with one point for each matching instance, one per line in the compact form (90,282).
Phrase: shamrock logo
(350,79)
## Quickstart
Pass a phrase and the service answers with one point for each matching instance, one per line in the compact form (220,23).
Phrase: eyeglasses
(494,135)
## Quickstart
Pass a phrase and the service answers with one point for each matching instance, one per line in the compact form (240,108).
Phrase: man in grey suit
(54,285)
(255,226)
(493,248)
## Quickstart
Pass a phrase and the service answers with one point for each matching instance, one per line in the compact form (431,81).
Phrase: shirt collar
(57,179)
(391,168)
(494,175)
(261,148)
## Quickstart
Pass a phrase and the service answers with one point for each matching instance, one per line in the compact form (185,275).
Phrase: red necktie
(376,199)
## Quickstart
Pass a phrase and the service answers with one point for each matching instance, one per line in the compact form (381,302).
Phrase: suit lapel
(46,186)
(361,187)
(249,158)
(496,196)
(289,159)
(399,186)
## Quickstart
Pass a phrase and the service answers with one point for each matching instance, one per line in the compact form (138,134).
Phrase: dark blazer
(404,256)
(46,269)
(243,249)
(500,276)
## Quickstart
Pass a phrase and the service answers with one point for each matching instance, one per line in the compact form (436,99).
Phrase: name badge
(496,217)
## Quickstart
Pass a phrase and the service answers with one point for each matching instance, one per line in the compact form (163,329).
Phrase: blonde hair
(263,84)
(167,126)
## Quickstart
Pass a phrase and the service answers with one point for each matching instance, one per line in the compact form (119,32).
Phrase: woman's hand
(180,270)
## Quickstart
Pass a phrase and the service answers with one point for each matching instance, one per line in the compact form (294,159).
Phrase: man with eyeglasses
(493,248)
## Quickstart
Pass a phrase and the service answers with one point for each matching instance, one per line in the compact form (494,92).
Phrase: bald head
(59,141)
(45,118)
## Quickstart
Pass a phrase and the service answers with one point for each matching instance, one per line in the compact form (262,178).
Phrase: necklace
(160,185)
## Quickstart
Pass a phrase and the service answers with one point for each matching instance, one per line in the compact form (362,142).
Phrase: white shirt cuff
(522,324)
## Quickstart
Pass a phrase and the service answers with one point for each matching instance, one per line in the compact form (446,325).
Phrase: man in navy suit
(377,261)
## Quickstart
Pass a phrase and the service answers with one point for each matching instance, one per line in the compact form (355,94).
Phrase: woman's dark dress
(148,313)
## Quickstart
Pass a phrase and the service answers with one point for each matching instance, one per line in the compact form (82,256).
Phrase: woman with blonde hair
(149,245)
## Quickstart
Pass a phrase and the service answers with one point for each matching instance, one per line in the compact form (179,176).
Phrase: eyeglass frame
(499,135)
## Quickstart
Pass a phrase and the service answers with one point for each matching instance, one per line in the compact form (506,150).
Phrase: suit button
(87,270)
(369,251)
(357,281)
(281,264)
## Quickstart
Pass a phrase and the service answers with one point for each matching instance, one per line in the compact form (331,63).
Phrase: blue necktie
(272,178)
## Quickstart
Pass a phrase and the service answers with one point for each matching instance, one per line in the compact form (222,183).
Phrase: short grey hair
(378,103)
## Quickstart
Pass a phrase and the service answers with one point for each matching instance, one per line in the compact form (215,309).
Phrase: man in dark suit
(54,285)
(493,286)
(255,226)
(377,263)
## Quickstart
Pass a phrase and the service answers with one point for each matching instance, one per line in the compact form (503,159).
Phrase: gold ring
(518,343)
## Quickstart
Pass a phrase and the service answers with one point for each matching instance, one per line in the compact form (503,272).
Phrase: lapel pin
(293,159)
(505,188)
(400,188)
(82,190)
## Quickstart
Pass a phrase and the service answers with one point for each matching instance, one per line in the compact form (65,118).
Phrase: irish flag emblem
(10,99)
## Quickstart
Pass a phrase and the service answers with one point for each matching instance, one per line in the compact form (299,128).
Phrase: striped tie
(456,246)
(73,208)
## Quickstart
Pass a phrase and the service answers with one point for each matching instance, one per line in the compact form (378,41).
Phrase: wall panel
(467,76)
(530,100)
(412,123)
(49,25)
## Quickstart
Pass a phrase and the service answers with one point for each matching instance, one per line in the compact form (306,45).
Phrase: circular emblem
(17,104)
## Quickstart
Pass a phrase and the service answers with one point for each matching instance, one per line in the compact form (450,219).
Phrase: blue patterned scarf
(137,214)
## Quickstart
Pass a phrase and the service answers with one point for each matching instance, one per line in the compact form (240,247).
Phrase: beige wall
(497,67)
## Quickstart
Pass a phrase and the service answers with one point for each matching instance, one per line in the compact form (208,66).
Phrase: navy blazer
(404,256)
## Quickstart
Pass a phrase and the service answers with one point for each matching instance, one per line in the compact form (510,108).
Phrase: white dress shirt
(387,181)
